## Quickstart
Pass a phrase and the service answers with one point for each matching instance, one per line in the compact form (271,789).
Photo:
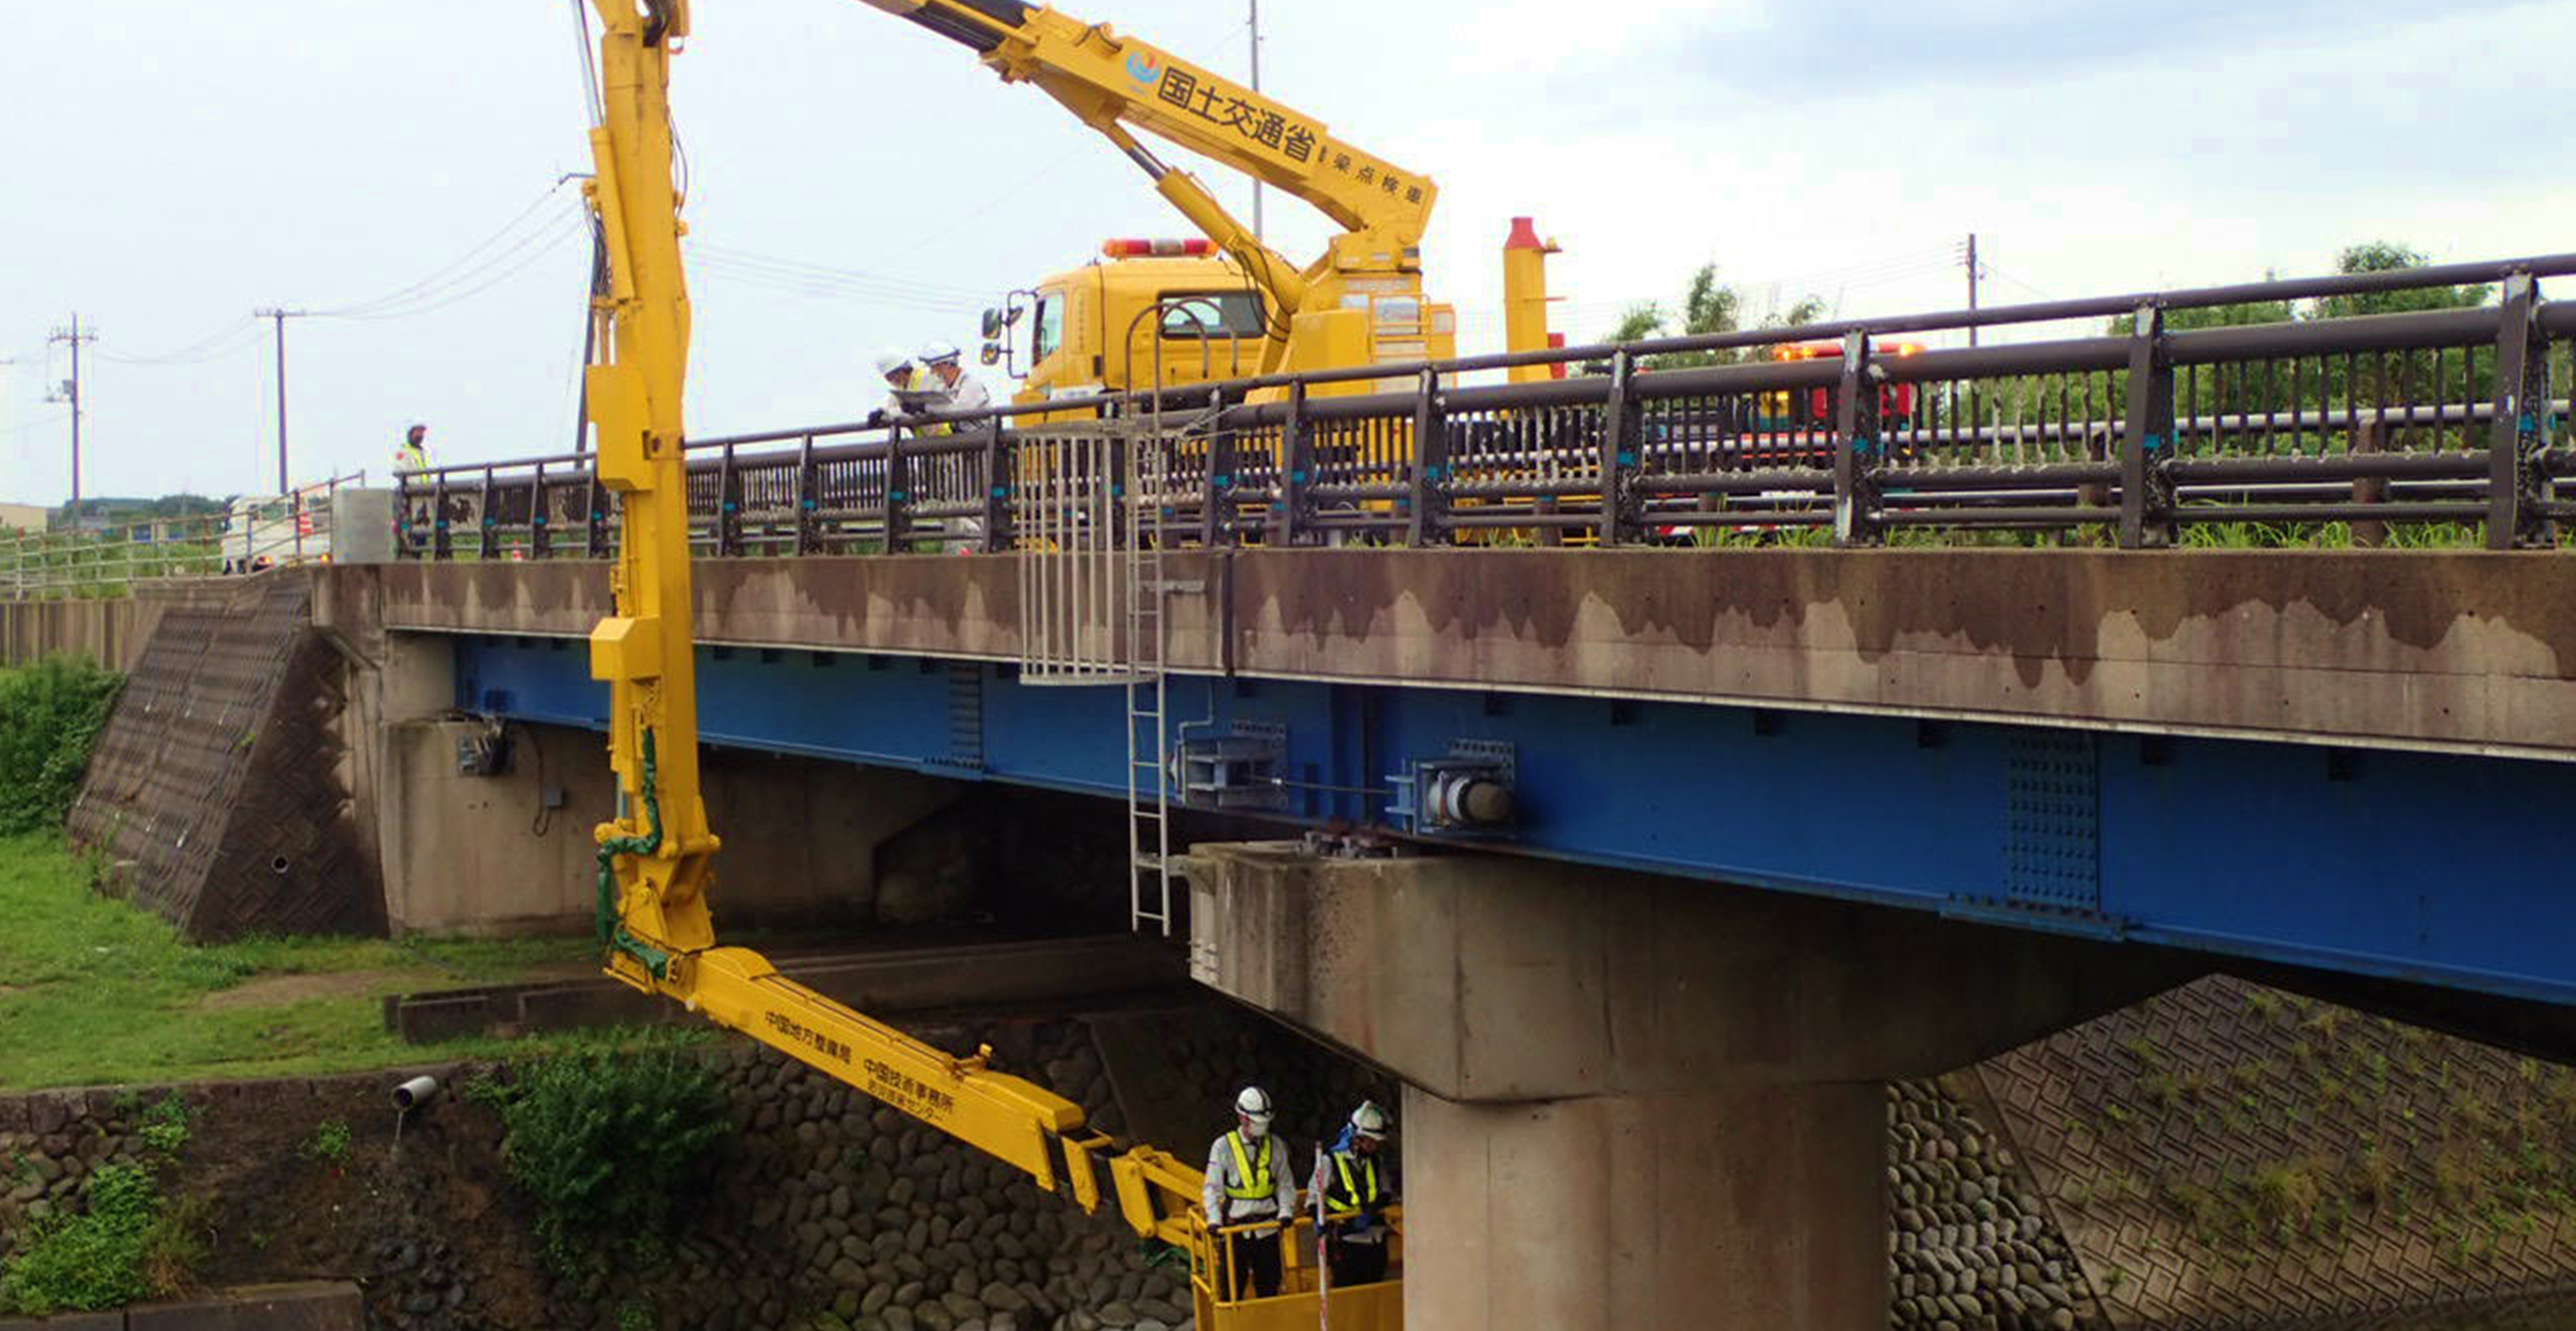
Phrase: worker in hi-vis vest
(911,391)
(1249,1182)
(1356,1182)
(413,453)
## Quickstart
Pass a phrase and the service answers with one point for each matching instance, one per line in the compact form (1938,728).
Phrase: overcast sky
(857,181)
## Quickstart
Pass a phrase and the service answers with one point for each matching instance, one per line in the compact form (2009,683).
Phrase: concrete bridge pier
(1631,1101)
(1751,1207)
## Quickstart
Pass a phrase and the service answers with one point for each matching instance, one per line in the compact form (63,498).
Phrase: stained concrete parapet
(110,630)
(2464,651)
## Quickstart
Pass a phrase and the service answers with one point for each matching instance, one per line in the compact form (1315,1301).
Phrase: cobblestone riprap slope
(2229,1156)
(2223,1156)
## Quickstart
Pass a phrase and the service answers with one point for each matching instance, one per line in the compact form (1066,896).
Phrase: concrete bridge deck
(2454,651)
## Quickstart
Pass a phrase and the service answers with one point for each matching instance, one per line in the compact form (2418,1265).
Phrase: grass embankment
(94,991)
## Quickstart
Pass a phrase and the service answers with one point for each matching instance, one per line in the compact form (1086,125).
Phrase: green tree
(1642,320)
(1708,306)
(2382,256)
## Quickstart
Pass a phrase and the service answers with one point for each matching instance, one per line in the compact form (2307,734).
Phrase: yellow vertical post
(655,853)
(1525,297)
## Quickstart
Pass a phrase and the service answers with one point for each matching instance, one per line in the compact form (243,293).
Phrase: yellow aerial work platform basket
(1298,1306)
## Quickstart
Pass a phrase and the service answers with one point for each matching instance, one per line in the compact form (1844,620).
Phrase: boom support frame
(656,930)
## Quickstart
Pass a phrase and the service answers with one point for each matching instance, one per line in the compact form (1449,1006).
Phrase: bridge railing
(2181,421)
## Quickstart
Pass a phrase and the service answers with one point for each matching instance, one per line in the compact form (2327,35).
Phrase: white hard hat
(891,359)
(934,352)
(1369,1121)
(1252,1104)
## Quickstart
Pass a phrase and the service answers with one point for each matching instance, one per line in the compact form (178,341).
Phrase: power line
(448,274)
(465,286)
(947,228)
(1993,271)
(15,430)
(830,283)
(850,276)
(229,340)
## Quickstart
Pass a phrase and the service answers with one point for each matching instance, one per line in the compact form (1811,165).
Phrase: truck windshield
(1050,334)
(1213,314)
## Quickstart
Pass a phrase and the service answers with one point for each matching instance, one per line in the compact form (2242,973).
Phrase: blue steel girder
(2432,868)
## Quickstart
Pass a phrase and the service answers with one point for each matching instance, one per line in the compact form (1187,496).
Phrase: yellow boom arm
(655,927)
(1113,82)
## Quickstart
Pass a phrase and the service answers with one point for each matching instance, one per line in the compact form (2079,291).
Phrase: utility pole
(70,392)
(1972,285)
(1256,87)
(285,484)
(279,317)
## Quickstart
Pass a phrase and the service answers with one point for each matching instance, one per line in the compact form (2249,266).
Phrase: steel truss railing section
(1075,582)
(2438,423)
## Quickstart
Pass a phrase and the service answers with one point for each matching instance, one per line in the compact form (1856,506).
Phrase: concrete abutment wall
(282,761)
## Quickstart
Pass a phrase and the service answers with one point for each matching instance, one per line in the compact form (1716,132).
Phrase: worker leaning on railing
(911,390)
(1249,1183)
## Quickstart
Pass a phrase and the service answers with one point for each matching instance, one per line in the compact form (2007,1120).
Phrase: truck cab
(1098,329)
(1179,313)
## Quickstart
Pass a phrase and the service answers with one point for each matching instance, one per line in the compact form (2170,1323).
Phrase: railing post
(2369,439)
(1216,521)
(404,544)
(898,503)
(486,533)
(728,523)
(997,488)
(1857,456)
(539,543)
(441,543)
(808,499)
(1297,469)
(2515,485)
(594,520)
(1618,460)
(2146,496)
(1426,516)
(1114,450)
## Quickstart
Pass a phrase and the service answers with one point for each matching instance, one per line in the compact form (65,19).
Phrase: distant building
(23,517)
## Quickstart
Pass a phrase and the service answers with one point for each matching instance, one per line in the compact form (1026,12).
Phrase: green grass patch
(94,991)
(114,1253)
(49,714)
(329,1142)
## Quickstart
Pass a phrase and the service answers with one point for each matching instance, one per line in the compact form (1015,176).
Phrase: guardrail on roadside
(253,534)
(2425,421)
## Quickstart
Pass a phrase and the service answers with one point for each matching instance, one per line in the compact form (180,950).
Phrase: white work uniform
(1223,1174)
(967,394)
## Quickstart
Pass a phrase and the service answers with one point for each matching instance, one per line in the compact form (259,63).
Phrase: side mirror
(992,354)
(993,325)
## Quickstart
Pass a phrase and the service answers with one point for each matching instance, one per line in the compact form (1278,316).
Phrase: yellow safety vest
(1252,1178)
(1351,1188)
(411,457)
(925,380)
